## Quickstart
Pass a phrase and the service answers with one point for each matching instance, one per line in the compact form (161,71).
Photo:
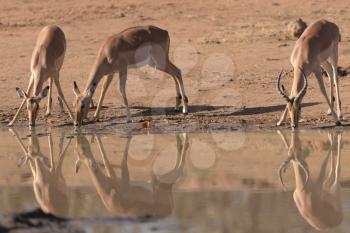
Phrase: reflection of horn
(24,159)
(295,158)
(282,169)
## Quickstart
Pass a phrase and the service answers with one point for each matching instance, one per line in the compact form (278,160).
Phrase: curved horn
(303,90)
(284,96)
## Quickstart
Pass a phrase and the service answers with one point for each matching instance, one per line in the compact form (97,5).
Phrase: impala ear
(76,89)
(43,93)
(22,94)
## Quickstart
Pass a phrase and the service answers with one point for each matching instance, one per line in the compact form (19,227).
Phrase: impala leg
(29,90)
(60,94)
(176,72)
(107,81)
(319,78)
(328,67)
(157,62)
(49,99)
(336,83)
(60,103)
(283,117)
(123,74)
(178,95)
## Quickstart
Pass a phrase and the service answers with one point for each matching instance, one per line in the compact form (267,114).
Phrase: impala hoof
(94,119)
(338,123)
(47,114)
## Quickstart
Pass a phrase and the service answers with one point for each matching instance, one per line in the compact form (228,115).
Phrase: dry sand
(229,51)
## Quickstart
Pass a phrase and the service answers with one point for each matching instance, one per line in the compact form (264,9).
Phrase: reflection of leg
(337,167)
(62,153)
(52,162)
(107,81)
(109,170)
(124,165)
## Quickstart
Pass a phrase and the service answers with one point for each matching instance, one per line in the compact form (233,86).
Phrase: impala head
(32,103)
(82,103)
(294,103)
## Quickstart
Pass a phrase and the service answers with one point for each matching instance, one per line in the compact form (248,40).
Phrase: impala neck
(297,82)
(39,78)
(94,78)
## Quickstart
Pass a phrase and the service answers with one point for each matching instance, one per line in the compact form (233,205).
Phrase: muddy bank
(201,118)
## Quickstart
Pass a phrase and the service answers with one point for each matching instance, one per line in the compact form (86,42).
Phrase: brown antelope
(46,62)
(49,186)
(122,196)
(317,199)
(133,47)
(317,47)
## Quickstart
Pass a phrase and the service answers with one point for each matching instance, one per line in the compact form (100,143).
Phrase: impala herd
(316,48)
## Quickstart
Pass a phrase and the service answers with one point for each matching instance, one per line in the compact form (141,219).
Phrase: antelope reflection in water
(120,195)
(49,186)
(318,199)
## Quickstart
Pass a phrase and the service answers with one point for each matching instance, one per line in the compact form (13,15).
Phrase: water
(204,182)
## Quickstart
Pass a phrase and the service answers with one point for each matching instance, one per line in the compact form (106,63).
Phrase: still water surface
(205,182)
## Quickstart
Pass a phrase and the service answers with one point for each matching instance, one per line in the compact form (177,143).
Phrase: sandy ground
(230,53)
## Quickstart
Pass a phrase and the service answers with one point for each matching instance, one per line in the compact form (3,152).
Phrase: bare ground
(229,51)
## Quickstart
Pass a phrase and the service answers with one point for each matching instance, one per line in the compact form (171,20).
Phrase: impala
(133,47)
(49,185)
(121,195)
(318,199)
(46,62)
(317,47)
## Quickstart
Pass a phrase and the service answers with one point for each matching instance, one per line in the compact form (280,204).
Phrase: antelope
(318,200)
(49,185)
(46,62)
(131,48)
(120,195)
(317,47)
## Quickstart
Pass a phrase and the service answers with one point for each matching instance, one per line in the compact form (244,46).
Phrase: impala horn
(281,92)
